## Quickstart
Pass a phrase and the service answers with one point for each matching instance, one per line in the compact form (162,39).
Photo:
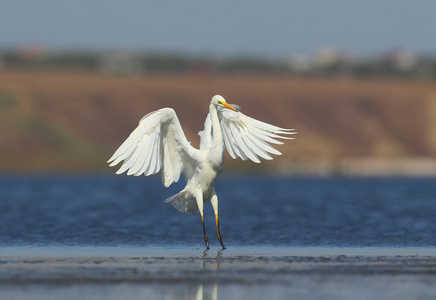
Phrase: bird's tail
(184,202)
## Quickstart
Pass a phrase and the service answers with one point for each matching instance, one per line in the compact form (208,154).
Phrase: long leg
(214,201)
(199,199)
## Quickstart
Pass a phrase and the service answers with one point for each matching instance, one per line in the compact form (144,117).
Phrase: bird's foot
(206,240)
(221,242)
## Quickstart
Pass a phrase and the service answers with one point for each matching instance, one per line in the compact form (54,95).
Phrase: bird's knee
(214,202)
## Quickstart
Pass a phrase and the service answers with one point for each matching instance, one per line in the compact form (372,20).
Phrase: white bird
(159,144)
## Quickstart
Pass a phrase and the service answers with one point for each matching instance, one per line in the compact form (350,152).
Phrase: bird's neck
(217,145)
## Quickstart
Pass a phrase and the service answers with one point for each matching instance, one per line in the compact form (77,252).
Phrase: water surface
(112,237)
(265,210)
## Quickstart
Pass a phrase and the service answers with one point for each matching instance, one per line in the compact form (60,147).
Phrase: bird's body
(159,144)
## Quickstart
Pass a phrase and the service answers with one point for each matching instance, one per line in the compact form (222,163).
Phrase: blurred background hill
(358,82)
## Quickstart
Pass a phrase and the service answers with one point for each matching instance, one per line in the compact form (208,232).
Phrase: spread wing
(158,143)
(249,138)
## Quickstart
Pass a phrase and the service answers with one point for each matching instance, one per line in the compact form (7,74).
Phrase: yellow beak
(228,105)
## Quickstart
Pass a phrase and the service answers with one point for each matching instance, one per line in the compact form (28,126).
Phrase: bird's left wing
(157,143)
(249,138)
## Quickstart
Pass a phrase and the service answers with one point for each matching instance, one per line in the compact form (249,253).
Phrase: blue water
(262,211)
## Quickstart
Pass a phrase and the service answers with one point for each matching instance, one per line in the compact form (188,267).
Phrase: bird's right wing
(158,143)
(249,138)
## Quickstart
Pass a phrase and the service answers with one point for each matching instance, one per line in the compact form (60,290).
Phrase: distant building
(328,56)
(402,60)
(326,59)
(300,63)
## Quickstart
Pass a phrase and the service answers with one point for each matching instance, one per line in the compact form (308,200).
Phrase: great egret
(159,144)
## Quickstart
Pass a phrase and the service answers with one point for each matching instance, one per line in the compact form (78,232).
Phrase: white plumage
(159,144)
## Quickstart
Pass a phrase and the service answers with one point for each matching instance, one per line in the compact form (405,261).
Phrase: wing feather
(146,154)
(256,147)
(227,143)
(157,144)
(154,165)
(263,144)
(246,147)
(139,162)
(117,159)
(246,137)
(168,169)
(130,160)
(236,142)
(266,136)
(234,147)
(125,147)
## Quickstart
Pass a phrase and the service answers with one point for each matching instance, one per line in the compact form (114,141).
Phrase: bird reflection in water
(207,292)
(218,255)
(207,289)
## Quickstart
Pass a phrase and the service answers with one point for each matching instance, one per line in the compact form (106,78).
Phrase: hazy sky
(271,27)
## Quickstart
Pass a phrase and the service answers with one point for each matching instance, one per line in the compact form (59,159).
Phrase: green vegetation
(327,62)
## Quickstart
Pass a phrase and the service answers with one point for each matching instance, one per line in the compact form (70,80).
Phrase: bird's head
(219,101)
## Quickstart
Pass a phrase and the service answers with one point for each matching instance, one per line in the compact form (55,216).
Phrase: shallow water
(243,272)
(114,238)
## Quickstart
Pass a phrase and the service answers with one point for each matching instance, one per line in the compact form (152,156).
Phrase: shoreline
(55,265)
(186,272)
(197,251)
